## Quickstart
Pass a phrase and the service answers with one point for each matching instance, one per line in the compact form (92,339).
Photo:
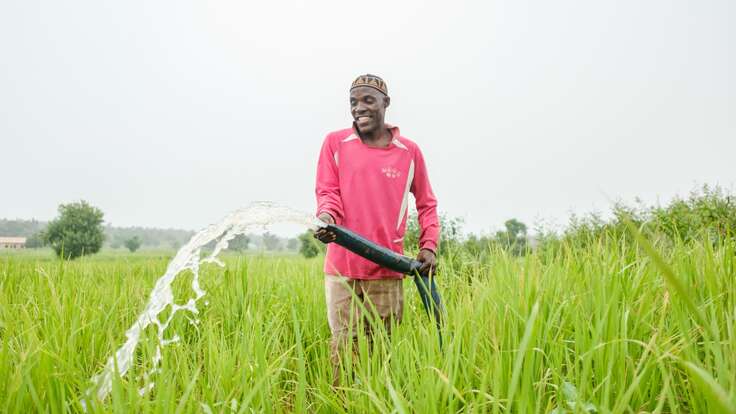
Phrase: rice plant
(628,326)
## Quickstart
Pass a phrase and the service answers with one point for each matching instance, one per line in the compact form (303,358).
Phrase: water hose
(428,292)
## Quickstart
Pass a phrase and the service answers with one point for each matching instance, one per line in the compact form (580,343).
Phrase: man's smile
(364,121)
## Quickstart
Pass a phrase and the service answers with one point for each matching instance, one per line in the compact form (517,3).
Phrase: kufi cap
(371,81)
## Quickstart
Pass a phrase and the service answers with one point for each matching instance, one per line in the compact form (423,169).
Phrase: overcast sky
(173,113)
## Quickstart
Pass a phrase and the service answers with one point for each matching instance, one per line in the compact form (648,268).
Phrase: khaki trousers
(348,300)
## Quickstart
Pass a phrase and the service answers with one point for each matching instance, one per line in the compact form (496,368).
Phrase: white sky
(172,113)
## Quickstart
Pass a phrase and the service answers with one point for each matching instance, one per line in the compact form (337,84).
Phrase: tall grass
(612,327)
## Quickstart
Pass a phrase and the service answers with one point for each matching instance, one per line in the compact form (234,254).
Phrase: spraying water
(256,215)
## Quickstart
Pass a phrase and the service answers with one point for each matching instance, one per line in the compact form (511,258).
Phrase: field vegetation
(631,314)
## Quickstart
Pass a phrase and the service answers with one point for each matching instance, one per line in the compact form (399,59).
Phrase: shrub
(77,231)
(239,243)
(133,243)
(309,246)
(450,232)
(707,213)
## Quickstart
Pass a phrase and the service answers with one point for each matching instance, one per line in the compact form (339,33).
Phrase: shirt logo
(390,172)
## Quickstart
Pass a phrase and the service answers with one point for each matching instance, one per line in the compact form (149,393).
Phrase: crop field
(605,327)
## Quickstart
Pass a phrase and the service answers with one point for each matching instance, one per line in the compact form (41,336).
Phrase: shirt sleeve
(426,203)
(327,189)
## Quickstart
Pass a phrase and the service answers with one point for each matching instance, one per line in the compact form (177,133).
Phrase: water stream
(253,217)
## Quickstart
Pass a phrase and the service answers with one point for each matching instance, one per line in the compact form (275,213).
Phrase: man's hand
(324,235)
(429,262)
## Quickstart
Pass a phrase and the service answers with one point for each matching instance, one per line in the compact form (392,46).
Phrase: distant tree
(514,237)
(77,231)
(150,237)
(309,246)
(708,213)
(515,228)
(116,243)
(133,243)
(476,245)
(21,228)
(36,240)
(239,243)
(292,244)
(451,229)
(271,241)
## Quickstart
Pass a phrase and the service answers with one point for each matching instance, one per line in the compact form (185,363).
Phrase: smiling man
(364,177)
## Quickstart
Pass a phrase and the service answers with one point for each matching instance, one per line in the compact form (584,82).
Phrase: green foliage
(21,228)
(150,237)
(708,213)
(514,238)
(598,328)
(475,246)
(309,246)
(292,244)
(36,240)
(133,243)
(450,232)
(114,236)
(116,243)
(239,243)
(77,231)
(456,246)
(271,242)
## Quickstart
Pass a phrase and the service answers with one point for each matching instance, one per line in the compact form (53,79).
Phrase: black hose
(385,257)
(373,252)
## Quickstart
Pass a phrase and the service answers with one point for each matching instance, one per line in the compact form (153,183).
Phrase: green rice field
(612,327)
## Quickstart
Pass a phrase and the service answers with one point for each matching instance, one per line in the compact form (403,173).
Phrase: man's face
(368,107)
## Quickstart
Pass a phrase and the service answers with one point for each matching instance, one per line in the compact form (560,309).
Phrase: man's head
(368,102)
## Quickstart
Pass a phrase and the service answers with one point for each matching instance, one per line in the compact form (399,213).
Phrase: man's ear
(386,101)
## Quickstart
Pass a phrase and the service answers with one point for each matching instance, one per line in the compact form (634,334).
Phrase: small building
(12,242)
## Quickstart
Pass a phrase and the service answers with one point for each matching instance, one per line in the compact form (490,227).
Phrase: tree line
(79,230)
(706,213)
(114,237)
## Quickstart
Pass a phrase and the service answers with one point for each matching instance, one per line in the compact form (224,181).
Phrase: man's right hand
(324,235)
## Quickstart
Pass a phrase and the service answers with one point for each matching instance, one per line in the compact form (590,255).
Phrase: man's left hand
(428,260)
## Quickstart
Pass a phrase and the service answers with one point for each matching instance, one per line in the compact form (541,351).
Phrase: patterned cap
(371,81)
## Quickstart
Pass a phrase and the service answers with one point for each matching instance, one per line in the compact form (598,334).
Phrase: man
(364,176)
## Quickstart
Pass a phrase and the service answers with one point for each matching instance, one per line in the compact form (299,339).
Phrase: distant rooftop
(12,240)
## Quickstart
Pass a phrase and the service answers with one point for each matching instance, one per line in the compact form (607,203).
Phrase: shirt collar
(395,133)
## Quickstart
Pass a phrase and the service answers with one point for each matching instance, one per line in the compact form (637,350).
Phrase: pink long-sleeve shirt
(366,189)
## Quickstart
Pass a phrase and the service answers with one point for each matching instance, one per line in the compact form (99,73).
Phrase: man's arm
(327,189)
(429,223)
